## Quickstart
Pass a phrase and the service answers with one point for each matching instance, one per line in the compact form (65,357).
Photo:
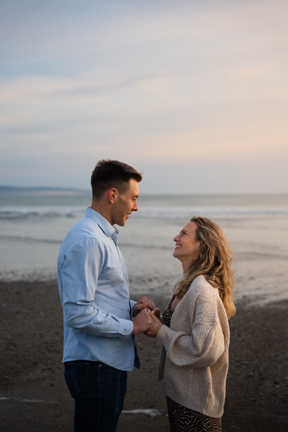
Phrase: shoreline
(33,394)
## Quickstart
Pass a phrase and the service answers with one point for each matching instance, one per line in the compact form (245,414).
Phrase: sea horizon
(42,203)
(19,188)
(34,223)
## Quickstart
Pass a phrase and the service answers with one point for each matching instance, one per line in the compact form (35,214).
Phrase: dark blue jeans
(99,391)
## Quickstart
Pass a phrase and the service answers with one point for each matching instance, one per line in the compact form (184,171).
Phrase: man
(93,283)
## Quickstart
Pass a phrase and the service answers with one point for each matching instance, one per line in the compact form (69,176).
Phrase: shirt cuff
(125,327)
(132,304)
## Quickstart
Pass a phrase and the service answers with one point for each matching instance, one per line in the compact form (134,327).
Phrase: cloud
(150,82)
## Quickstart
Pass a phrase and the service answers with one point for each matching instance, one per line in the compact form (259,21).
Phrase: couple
(100,320)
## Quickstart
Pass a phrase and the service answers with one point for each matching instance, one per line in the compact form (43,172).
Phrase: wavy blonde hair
(213,261)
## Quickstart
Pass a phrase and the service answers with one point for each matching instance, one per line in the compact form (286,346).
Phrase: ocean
(34,223)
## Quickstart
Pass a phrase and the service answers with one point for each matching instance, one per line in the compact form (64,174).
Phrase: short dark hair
(112,173)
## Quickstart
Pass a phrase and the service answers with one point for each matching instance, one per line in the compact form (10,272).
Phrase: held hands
(146,322)
(155,327)
(142,322)
(145,313)
(145,303)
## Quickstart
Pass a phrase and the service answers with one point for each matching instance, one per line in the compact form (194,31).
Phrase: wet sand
(34,397)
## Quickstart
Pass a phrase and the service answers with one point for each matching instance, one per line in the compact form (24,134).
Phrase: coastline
(33,394)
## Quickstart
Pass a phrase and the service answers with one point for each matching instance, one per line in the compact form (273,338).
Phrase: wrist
(158,328)
(135,329)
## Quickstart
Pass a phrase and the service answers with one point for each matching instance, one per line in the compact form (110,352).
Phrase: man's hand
(142,322)
(155,327)
(145,303)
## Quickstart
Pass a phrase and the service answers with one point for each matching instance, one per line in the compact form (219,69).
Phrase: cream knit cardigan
(194,355)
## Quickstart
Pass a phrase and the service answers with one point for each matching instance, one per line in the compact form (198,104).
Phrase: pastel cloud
(150,82)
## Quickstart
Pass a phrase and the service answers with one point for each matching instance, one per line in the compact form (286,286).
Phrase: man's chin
(121,223)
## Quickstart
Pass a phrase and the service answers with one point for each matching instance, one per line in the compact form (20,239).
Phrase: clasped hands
(146,317)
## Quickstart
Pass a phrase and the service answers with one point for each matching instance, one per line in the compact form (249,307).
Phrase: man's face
(125,204)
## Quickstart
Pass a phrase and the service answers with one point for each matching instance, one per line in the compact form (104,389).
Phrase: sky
(193,94)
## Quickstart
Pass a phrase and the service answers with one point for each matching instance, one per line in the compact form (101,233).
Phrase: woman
(195,332)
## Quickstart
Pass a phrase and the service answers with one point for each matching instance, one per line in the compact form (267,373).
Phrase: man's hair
(109,174)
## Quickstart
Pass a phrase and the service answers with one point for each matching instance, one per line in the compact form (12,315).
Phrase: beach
(34,397)
(33,393)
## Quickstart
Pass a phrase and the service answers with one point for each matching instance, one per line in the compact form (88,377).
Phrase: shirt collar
(105,226)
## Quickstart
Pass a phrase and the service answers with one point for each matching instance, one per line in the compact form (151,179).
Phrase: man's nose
(135,206)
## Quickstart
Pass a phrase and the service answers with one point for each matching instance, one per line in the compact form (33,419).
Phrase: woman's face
(186,244)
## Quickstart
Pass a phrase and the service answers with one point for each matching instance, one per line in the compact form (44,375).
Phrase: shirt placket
(121,258)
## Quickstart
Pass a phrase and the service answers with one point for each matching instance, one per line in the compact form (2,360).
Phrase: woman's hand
(145,303)
(155,327)
(142,322)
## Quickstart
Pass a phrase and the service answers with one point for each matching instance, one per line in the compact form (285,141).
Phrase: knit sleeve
(202,342)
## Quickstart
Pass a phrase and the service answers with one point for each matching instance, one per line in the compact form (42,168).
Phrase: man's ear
(112,195)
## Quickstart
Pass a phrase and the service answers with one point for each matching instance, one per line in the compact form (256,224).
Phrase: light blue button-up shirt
(94,292)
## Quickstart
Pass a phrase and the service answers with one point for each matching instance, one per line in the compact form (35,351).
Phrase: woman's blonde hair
(213,261)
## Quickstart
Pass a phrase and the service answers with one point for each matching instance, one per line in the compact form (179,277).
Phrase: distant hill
(5,188)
